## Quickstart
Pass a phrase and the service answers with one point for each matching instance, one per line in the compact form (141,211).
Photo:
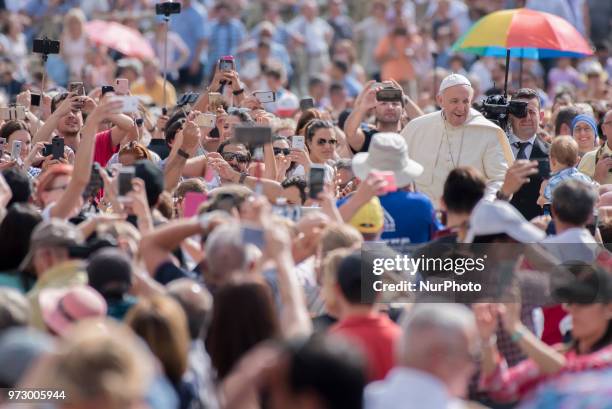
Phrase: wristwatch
(182,154)
(243,176)
(502,196)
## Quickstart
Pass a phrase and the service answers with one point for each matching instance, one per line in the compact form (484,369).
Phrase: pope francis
(458,135)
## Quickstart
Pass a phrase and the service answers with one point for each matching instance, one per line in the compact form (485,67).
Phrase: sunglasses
(284,151)
(228,156)
(323,141)
(234,110)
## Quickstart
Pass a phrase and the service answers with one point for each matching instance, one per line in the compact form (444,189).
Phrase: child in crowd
(564,157)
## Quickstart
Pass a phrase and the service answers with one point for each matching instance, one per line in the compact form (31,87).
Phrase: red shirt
(104,149)
(376,335)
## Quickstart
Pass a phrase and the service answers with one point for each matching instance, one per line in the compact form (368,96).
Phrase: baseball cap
(369,218)
(110,272)
(452,80)
(501,217)
(52,233)
(62,307)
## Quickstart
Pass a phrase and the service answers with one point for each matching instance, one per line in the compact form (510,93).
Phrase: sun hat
(388,152)
(62,307)
(501,217)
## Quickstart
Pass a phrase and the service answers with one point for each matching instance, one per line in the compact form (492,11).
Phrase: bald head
(196,302)
(440,339)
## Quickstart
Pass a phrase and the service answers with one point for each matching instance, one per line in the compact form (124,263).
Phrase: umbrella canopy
(527,33)
(124,39)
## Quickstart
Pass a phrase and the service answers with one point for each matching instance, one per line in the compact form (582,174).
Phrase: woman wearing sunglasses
(321,144)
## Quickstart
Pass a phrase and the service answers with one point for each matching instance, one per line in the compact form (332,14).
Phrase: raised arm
(365,101)
(71,103)
(83,161)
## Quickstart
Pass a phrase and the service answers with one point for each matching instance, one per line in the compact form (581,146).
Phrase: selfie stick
(167,24)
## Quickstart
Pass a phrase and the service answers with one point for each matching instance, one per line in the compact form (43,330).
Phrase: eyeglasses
(583,129)
(284,151)
(323,141)
(228,156)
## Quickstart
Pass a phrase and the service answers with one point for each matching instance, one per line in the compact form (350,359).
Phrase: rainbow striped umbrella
(527,33)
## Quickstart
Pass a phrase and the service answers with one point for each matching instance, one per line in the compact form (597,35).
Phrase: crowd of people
(208,248)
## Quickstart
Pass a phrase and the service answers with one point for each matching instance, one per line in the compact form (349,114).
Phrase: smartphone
(206,120)
(12,113)
(316,180)
(35,100)
(166,8)
(226,63)
(389,95)
(130,103)
(215,100)
(253,136)
(77,88)
(389,177)
(46,46)
(298,142)
(107,88)
(546,209)
(193,200)
(122,86)
(57,147)
(306,103)
(543,168)
(126,174)
(265,97)
(253,235)
(16,150)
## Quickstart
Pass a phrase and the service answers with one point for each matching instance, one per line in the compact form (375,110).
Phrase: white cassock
(441,147)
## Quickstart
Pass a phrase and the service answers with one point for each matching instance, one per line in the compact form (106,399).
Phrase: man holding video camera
(527,145)
(458,135)
(387,113)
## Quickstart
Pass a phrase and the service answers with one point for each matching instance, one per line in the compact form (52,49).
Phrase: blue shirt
(190,25)
(410,218)
(223,39)
(557,178)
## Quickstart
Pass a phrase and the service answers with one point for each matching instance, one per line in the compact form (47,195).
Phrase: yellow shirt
(587,164)
(156,92)
(63,275)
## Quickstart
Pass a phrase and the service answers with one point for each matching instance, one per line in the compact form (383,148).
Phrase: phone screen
(316,180)
(57,147)
(126,174)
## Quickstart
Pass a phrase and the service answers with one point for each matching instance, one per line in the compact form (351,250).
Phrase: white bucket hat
(388,152)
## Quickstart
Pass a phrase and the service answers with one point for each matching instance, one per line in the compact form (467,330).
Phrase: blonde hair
(75,14)
(339,236)
(100,361)
(564,149)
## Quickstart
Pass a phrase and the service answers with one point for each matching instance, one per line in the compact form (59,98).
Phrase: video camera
(496,109)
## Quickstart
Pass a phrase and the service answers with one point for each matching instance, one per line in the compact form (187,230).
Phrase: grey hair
(435,325)
(225,251)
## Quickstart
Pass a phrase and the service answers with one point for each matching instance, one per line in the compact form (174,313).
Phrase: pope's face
(456,102)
